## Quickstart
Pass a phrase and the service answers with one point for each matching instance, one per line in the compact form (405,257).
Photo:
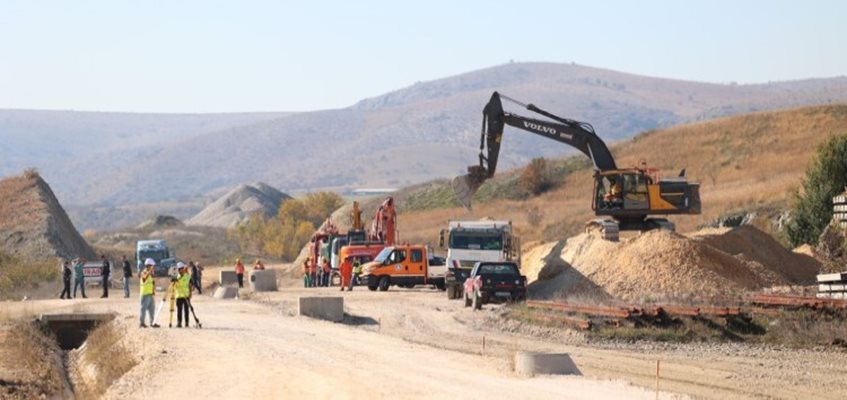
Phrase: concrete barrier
(226,292)
(529,364)
(263,280)
(328,308)
(228,278)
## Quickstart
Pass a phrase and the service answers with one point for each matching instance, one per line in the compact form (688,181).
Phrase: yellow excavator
(624,198)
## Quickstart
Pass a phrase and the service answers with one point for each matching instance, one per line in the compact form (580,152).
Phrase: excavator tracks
(603,228)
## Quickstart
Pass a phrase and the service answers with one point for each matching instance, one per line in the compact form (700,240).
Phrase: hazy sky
(207,56)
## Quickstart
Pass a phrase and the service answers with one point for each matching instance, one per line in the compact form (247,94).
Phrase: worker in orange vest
(346,274)
(239,272)
(306,280)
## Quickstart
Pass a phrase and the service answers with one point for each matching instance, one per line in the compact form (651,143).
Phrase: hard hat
(180,265)
(149,261)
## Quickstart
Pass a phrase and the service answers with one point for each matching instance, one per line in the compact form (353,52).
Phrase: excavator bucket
(464,186)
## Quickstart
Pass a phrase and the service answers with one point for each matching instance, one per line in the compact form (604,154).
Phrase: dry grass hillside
(747,162)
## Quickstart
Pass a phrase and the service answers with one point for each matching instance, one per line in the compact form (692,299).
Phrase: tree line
(283,235)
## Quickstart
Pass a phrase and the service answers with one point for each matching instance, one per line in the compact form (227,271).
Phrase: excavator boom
(580,135)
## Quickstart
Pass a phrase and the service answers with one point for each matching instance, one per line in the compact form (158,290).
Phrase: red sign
(91,271)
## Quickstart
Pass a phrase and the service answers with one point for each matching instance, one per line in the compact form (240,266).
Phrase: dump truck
(401,265)
(158,250)
(469,242)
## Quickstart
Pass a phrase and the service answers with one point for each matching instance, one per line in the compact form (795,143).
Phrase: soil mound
(661,265)
(33,225)
(239,204)
(749,242)
(159,222)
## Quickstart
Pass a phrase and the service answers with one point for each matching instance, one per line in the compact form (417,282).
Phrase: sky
(238,56)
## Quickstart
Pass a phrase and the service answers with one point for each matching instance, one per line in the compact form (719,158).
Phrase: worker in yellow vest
(147,289)
(183,293)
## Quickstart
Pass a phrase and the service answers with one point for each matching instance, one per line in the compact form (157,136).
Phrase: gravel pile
(661,265)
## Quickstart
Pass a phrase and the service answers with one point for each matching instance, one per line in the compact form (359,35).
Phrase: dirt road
(716,371)
(416,344)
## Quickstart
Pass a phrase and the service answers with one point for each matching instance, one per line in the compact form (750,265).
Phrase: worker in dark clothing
(127,275)
(79,276)
(104,273)
(196,270)
(66,280)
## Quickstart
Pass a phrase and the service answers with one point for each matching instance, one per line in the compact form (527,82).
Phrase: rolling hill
(414,134)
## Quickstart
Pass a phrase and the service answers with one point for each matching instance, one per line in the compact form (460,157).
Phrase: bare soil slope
(239,204)
(33,225)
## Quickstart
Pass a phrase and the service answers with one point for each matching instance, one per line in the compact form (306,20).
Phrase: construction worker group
(320,274)
(77,274)
(177,295)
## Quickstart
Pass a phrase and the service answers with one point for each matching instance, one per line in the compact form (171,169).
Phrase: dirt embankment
(662,265)
(33,225)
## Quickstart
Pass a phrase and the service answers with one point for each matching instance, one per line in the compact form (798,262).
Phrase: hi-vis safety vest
(182,289)
(147,286)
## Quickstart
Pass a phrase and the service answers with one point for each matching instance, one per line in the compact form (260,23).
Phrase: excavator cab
(617,192)
(630,195)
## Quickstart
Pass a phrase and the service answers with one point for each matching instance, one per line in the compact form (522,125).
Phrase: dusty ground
(416,344)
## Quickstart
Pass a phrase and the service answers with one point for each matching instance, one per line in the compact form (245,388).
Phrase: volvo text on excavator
(622,197)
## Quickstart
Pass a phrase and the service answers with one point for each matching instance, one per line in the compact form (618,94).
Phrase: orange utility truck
(404,266)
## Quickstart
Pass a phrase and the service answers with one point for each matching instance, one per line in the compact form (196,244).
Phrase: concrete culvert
(529,364)
(71,330)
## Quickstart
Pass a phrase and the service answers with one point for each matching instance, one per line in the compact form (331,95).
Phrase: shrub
(17,274)
(535,177)
(825,178)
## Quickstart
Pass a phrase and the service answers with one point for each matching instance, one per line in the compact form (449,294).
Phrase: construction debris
(832,285)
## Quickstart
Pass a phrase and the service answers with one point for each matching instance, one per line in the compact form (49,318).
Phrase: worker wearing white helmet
(183,293)
(147,289)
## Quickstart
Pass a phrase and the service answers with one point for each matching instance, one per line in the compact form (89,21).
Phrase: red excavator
(382,232)
(622,197)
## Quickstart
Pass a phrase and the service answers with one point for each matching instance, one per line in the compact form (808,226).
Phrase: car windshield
(470,240)
(157,255)
(497,269)
(383,254)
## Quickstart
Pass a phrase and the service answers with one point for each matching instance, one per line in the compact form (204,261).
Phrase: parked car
(494,282)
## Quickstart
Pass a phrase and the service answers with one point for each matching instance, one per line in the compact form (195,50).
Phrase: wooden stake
(657,379)
(483,345)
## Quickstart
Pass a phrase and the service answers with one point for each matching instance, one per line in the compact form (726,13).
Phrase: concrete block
(263,280)
(529,364)
(228,278)
(226,292)
(328,308)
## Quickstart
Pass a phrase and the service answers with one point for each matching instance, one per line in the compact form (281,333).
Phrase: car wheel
(476,302)
(384,283)
(371,288)
(440,286)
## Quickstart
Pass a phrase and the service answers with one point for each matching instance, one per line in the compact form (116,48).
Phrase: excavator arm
(580,135)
